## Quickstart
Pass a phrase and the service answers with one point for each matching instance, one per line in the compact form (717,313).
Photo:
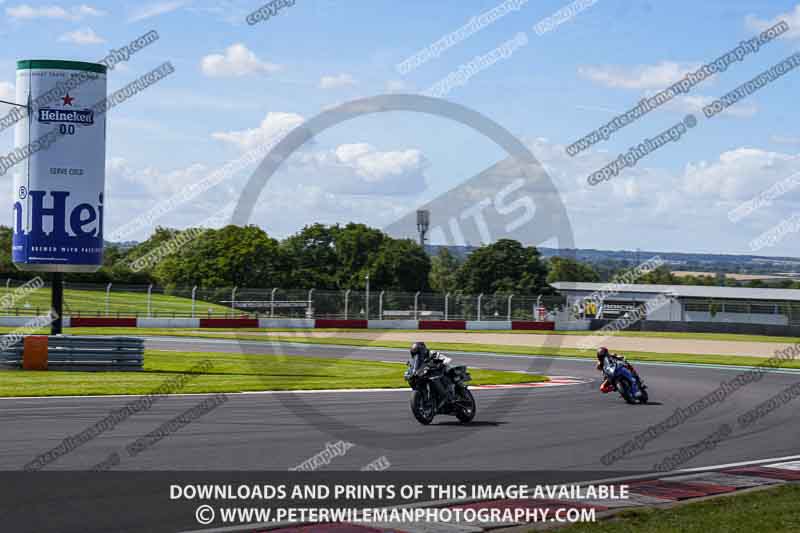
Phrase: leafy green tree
(401,265)
(312,257)
(660,276)
(566,269)
(230,256)
(356,247)
(444,272)
(504,266)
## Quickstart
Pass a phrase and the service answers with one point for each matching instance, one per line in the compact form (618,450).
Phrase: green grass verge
(124,303)
(247,334)
(774,510)
(710,359)
(230,373)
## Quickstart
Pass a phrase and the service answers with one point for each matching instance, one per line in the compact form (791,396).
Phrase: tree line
(334,257)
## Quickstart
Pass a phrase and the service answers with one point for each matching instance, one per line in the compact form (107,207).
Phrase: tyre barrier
(70,352)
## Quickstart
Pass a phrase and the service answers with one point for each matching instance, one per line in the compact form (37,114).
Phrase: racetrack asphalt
(559,428)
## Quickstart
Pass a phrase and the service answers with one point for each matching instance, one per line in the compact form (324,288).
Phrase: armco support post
(57,303)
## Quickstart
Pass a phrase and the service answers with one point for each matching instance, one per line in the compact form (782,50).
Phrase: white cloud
(738,174)
(84,36)
(792,18)
(155,9)
(28,12)
(360,168)
(237,61)
(657,76)
(273,125)
(397,86)
(338,81)
(692,103)
(7,92)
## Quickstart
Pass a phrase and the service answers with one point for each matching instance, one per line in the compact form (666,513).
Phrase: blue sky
(236,85)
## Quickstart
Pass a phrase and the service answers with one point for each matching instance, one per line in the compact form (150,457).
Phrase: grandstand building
(684,303)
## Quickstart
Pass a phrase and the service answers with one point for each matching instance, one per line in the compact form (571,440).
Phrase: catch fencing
(143,301)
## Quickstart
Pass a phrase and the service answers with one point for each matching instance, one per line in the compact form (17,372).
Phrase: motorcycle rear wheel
(422,412)
(465,410)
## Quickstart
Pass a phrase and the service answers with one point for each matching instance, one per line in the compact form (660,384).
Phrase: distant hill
(744,264)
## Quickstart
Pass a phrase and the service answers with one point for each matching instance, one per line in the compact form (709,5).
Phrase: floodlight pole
(423,223)
(57,302)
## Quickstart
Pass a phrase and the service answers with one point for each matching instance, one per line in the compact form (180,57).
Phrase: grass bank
(230,373)
(774,510)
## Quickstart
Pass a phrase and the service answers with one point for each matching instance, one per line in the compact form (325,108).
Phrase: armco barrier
(442,324)
(68,352)
(530,325)
(489,324)
(393,324)
(228,322)
(335,323)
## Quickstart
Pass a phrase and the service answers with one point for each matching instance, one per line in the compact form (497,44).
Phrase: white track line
(519,386)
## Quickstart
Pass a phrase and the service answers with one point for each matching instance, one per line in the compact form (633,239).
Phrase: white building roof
(684,291)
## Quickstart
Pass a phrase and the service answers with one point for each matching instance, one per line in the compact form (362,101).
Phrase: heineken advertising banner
(59,167)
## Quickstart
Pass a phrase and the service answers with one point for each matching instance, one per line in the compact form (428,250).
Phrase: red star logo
(68,99)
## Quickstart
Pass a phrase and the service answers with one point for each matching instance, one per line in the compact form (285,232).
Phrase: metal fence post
(446,301)
(510,296)
(233,300)
(480,297)
(310,310)
(149,300)
(272,302)
(416,306)
(346,302)
(366,300)
(194,299)
(108,290)
(380,305)
(8,282)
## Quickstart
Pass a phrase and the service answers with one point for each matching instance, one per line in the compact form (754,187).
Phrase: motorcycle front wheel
(423,411)
(625,390)
(644,398)
(465,406)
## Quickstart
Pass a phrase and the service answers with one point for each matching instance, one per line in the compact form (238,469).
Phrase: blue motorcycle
(623,378)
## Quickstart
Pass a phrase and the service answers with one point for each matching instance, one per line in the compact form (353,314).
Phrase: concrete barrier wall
(278,323)
(573,325)
(336,323)
(393,324)
(228,322)
(530,325)
(442,324)
(167,322)
(707,327)
(489,324)
(15,321)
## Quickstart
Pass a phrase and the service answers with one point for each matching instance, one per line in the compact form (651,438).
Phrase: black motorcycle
(439,390)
